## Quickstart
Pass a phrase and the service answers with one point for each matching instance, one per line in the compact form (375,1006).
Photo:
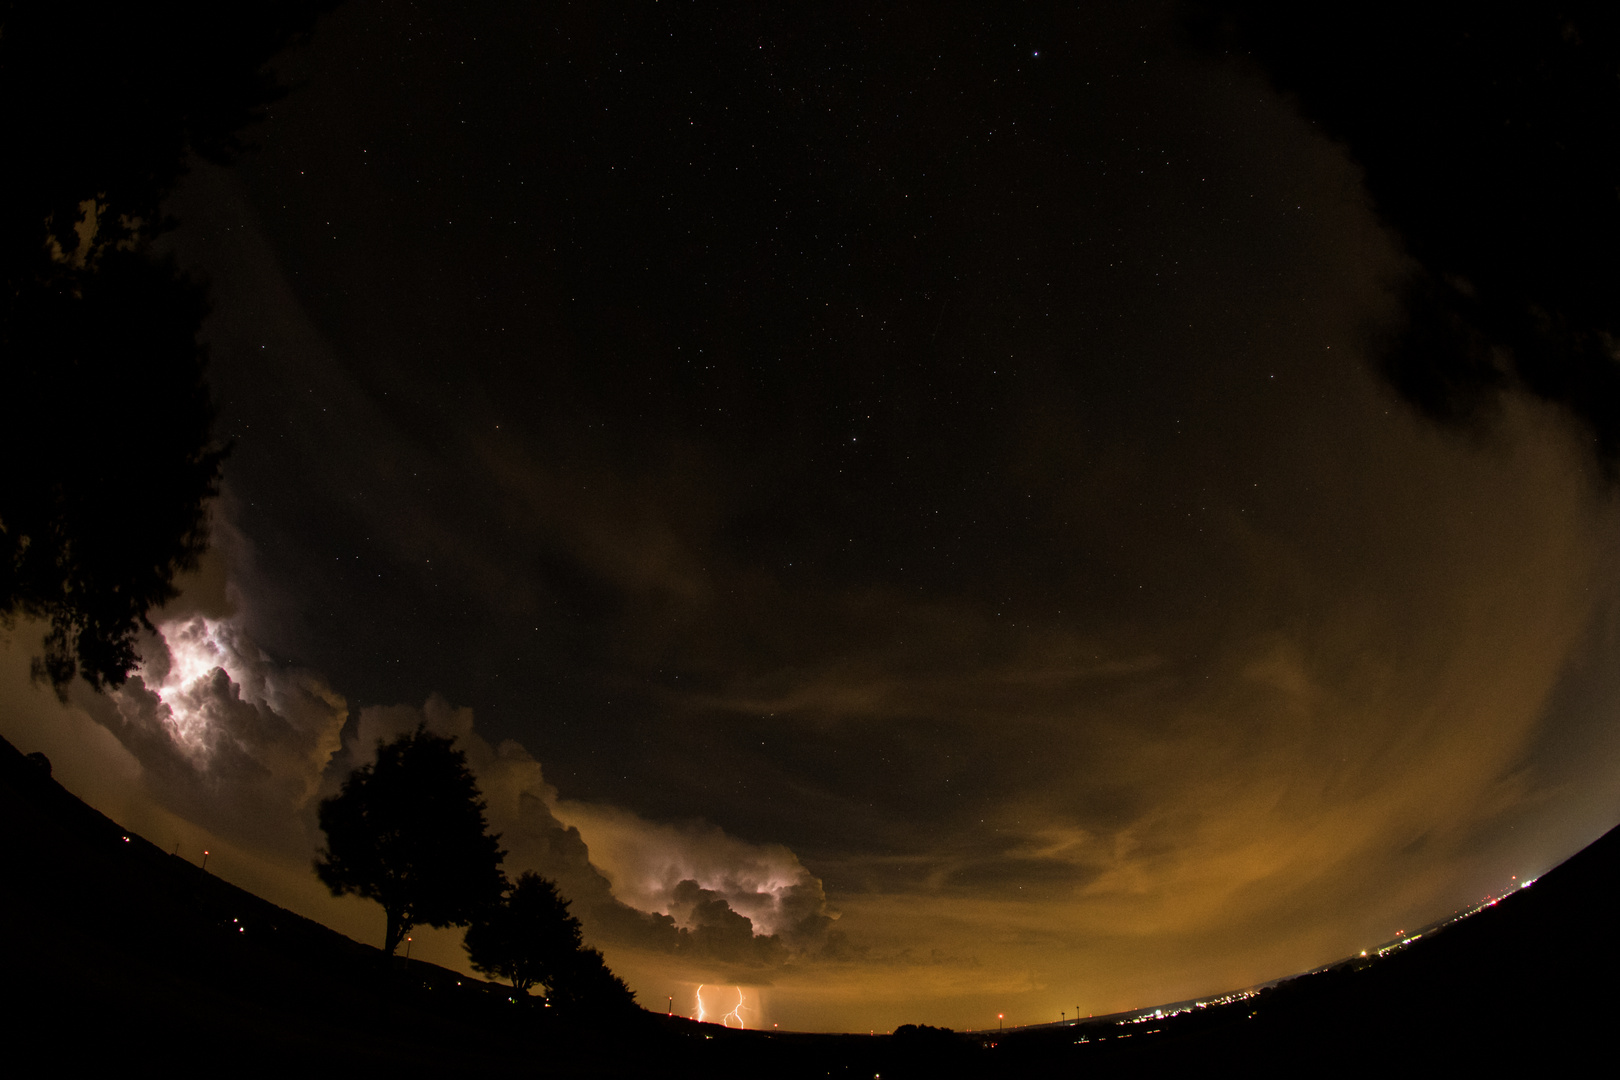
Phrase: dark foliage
(409,832)
(530,939)
(527,938)
(108,463)
(586,984)
(1490,139)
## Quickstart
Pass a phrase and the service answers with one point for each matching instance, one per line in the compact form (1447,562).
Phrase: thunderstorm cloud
(229,739)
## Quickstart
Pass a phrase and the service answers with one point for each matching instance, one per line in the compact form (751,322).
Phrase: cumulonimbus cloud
(227,737)
(691,888)
(685,869)
(235,742)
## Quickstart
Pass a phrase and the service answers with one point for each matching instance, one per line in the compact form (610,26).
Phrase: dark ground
(120,954)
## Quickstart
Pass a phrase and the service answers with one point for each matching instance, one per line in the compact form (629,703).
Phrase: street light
(205,860)
(407,946)
(999,1018)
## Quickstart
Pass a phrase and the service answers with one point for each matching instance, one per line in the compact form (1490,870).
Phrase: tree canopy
(107,462)
(409,832)
(527,938)
(587,984)
(530,939)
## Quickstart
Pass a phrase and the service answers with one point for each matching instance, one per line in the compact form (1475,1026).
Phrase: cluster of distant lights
(1402,941)
(1160,1014)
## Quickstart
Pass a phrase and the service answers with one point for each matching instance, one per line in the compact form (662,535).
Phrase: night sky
(913,480)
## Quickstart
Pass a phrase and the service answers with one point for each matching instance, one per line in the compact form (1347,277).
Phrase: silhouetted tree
(527,938)
(530,939)
(106,460)
(108,473)
(585,983)
(409,832)
(1489,136)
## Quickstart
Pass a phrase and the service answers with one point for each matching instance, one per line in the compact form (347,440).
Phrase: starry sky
(897,507)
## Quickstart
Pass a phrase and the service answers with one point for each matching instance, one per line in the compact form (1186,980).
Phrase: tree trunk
(397,929)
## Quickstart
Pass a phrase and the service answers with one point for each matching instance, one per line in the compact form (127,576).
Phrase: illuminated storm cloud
(703,877)
(208,710)
(690,889)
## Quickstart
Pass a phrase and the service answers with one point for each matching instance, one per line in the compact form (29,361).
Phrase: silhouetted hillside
(120,953)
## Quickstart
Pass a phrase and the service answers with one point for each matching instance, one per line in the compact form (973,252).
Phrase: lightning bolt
(724,1021)
(735,1013)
